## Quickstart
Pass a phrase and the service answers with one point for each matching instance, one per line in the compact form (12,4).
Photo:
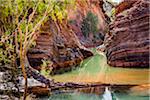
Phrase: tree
(89,24)
(19,22)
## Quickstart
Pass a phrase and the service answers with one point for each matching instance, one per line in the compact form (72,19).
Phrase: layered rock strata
(58,46)
(129,44)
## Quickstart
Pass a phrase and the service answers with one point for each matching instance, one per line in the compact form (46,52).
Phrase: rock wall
(61,44)
(57,44)
(129,44)
(80,12)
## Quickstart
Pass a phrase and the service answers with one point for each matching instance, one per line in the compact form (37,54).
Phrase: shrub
(89,24)
(19,22)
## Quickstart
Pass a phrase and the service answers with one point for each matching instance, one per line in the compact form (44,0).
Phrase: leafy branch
(20,23)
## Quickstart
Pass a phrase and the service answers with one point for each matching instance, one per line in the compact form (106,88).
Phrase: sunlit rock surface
(61,44)
(57,44)
(129,43)
(76,16)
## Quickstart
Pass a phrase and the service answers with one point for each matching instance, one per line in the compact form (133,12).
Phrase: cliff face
(129,44)
(76,17)
(59,46)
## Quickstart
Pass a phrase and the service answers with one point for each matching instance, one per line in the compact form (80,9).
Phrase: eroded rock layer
(58,46)
(77,16)
(130,43)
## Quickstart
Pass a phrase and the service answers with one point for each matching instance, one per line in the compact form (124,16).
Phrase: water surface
(96,70)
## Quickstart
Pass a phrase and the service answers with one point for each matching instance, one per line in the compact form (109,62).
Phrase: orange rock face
(59,45)
(83,7)
(130,43)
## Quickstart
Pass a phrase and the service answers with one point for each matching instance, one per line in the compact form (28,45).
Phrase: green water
(84,96)
(96,69)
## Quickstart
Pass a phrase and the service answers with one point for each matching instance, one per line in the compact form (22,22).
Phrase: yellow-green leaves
(41,7)
(21,19)
(59,11)
(44,67)
(113,11)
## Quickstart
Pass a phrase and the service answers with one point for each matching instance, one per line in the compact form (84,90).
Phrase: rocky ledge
(129,44)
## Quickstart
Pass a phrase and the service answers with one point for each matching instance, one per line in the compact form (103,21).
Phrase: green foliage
(6,50)
(45,70)
(89,24)
(20,19)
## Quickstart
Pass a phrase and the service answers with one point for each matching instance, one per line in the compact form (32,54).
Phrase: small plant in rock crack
(46,67)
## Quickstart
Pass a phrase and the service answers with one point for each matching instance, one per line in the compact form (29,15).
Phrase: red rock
(81,11)
(129,43)
(58,44)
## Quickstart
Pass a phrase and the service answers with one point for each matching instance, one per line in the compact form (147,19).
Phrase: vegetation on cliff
(89,24)
(19,22)
(46,40)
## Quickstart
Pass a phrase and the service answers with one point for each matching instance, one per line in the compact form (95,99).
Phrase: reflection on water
(85,96)
(96,70)
(107,95)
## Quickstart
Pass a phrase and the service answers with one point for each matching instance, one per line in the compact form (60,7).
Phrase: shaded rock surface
(76,16)
(129,44)
(59,45)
